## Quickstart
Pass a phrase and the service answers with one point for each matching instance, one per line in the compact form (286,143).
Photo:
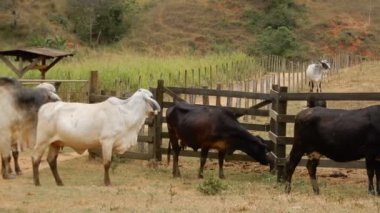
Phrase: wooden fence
(68,90)
(254,107)
(252,74)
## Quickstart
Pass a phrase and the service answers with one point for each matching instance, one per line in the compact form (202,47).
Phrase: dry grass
(142,186)
(180,26)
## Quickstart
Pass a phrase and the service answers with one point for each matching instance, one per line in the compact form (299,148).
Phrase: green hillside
(176,27)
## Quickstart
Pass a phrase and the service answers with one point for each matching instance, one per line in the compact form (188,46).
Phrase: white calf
(112,125)
(314,74)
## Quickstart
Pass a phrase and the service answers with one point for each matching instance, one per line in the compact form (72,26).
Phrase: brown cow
(211,128)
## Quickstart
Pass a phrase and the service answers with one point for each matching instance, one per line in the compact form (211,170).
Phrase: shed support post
(92,85)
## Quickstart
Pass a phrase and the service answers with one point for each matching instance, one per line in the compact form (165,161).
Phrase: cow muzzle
(271,157)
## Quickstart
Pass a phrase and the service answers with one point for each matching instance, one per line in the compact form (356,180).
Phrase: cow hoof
(222,177)
(372,192)
(8,176)
(287,188)
(176,175)
(37,183)
(200,176)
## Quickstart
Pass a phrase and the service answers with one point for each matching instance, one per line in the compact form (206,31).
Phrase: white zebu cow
(18,118)
(112,125)
(314,74)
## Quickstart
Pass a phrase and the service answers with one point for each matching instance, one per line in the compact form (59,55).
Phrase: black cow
(18,117)
(211,128)
(341,135)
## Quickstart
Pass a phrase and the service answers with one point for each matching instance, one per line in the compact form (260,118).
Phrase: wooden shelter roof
(36,56)
(35,52)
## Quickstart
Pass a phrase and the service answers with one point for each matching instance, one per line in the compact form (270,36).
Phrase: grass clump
(211,186)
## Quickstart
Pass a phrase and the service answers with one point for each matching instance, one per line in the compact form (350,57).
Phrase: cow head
(269,157)
(52,92)
(148,97)
(260,150)
(312,102)
(325,64)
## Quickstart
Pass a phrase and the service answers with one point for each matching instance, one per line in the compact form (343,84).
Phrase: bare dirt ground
(145,186)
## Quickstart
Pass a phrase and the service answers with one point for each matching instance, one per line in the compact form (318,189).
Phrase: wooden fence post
(205,98)
(218,99)
(279,128)
(157,140)
(93,84)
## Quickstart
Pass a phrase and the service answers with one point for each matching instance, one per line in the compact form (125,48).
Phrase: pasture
(141,186)
(144,186)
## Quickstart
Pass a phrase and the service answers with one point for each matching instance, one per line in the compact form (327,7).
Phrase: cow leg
(107,180)
(291,164)
(52,160)
(15,154)
(370,165)
(38,151)
(107,157)
(311,86)
(312,169)
(176,149)
(9,162)
(221,155)
(377,172)
(204,153)
(319,87)
(5,159)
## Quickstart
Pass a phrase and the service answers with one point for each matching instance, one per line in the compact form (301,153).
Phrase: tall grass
(144,71)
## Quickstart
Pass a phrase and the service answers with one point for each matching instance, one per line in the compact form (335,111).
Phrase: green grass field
(144,71)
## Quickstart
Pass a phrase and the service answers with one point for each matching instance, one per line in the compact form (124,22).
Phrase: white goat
(112,125)
(314,74)
(18,118)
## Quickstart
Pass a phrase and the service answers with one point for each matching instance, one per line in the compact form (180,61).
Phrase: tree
(280,41)
(100,21)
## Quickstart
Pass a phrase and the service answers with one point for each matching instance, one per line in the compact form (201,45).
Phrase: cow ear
(54,97)
(153,103)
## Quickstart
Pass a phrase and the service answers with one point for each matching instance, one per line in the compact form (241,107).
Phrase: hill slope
(200,26)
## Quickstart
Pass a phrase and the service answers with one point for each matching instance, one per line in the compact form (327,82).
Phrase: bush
(99,21)
(281,42)
(254,19)
(278,13)
(274,28)
(211,186)
(56,42)
(280,16)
